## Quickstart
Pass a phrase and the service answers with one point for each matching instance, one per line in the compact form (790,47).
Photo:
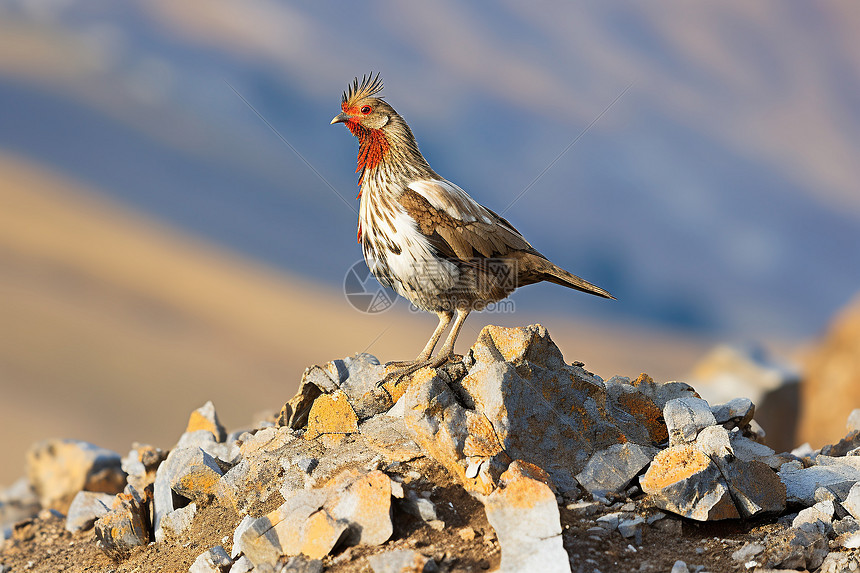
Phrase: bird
(425,237)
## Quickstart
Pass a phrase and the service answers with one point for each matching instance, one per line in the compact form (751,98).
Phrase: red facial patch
(372,146)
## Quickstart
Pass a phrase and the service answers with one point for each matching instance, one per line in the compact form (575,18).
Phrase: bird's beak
(339,118)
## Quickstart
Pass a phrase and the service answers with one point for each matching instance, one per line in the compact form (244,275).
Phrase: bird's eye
(365,109)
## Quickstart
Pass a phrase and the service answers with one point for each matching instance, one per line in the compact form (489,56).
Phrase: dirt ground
(466,543)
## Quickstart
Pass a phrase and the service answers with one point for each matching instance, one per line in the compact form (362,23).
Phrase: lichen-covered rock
(683,479)
(58,469)
(125,526)
(205,418)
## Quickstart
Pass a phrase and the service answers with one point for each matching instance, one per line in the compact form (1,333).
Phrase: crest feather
(369,86)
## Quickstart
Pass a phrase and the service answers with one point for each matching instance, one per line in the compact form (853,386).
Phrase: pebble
(680,567)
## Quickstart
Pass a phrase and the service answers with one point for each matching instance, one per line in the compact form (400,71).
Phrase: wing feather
(457,225)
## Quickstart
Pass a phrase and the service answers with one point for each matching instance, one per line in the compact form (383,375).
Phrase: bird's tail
(554,274)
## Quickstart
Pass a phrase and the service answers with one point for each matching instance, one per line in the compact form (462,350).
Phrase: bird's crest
(369,86)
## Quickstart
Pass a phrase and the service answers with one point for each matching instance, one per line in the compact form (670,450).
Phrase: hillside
(114,323)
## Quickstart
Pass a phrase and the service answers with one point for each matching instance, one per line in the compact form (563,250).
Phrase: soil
(465,543)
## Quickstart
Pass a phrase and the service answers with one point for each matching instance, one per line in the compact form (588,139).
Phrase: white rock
(680,567)
(801,483)
(611,469)
(215,560)
(176,522)
(86,508)
(630,527)
(242,565)
(397,560)
(852,501)
(685,418)
(816,519)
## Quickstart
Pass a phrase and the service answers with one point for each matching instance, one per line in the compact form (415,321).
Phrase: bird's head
(360,109)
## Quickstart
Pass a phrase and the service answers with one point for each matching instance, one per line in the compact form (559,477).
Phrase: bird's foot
(405,368)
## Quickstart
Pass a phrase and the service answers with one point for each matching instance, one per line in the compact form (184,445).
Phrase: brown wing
(479,233)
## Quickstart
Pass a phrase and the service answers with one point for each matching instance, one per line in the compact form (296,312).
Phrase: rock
(353,509)
(633,407)
(205,418)
(294,414)
(840,562)
(851,501)
(612,469)
(729,372)
(794,549)
(747,552)
(680,567)
(242,565)
(683,479)
(331,415)
(176,522)
(125,526)
(631,527)
(831,379)
(17,503)
(401,561)
(609,521)
(497,411)
(215,560)
(188,473)
(300,564)
(816,519)
(801,482)
(196,475)
(58,469)
(735,413)
(86,507)
(418,506)
(685,418)
(525,517)
(141,464)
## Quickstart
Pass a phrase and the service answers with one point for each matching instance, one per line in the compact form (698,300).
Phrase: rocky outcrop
(354,466)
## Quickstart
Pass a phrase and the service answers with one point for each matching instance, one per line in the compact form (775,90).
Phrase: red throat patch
(372,147)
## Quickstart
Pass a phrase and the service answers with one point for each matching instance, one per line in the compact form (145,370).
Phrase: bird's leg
(444,355)
(444,320)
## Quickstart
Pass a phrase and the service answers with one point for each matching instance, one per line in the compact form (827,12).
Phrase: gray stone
(188,473)
(86,507)
(205,418)
(524,514)
(398,560)
(851,501)
(816,519)
(613,468)
(141,464)
(735,413)
(680,567)
(846,525)
(215,560)
(801,482)
(301,564)
(17,503)
(609,521)
(747,552)
(794,549)
(242,565)
(418,506)
(176,522)
(685,418)
(631,527)
(58,469)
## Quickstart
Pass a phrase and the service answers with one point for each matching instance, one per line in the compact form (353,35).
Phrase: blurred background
(161,246)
